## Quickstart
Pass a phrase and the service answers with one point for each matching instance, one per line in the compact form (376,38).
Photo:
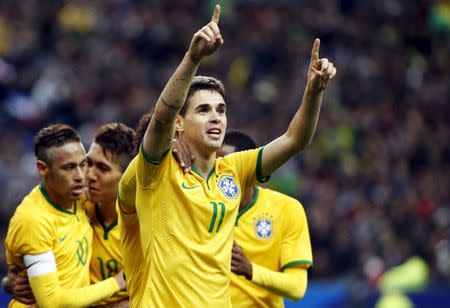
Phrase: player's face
(205,121)
(103,175)
(65,176)
(226,149)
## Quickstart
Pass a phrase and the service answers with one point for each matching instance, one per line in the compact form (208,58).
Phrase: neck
(108,212)
(204,162)
(58,199)
(248,196)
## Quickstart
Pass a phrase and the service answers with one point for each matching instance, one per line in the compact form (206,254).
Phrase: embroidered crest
(264,228)
(229,187)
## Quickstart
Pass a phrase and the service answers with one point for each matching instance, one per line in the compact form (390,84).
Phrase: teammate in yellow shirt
(186,221)
(111,151)
(108,157)
(272,249)
(49,237)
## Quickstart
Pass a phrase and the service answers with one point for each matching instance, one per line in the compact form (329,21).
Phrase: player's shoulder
(240,154)
(32,205)
(280,200)
(32,215)
(237,158)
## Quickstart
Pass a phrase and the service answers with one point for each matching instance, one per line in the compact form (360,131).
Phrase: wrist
(311,93)
(249,274)
(193,58)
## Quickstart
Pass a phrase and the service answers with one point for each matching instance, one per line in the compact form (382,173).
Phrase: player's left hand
(239,262)
(206,40)
(320,71)
(182,155)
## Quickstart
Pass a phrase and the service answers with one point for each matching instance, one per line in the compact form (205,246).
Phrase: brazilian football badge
(228,186)
(263,227)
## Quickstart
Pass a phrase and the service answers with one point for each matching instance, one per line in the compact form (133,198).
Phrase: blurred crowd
(375,180)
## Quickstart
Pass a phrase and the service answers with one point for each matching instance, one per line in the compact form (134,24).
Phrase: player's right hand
(206,40)
(18,287)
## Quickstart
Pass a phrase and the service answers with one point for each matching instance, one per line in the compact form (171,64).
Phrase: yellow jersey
(186,227)
(40,225)
(106,258)
(273,232)
(135,269)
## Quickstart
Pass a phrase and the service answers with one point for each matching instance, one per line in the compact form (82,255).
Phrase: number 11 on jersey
(216,208)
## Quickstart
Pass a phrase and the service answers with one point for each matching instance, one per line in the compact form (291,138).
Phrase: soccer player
(186,221)
(49,236)
(107,158)
(272,249)
(137,272)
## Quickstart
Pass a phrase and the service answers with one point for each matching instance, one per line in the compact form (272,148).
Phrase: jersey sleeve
(149,171)
(291,283)
(296,244)
(48,292)
(248,166)
(127,186)
(29,235)
(130,248)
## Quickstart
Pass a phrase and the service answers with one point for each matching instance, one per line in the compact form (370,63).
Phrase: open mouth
(78,190)
(214,132)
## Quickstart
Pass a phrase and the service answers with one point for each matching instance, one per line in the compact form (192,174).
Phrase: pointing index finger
(315,50)
(216,14)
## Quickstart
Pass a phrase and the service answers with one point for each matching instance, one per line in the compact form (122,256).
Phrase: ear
(179,124)
(42,168)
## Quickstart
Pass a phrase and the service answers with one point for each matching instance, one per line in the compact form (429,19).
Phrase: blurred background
(375,181)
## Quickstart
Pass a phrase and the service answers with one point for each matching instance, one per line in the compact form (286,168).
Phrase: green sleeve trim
(294,263)
(151,160)
(259,176)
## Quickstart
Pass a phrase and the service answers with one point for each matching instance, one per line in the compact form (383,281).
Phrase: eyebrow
(209,105)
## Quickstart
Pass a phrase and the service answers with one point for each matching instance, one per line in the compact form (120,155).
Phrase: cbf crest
(228,186)
(264,228)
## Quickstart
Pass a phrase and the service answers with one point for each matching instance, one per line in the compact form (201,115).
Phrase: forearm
(48,293)
(161,130)
(303,126)
(298,135)
(174,94)
(291,283)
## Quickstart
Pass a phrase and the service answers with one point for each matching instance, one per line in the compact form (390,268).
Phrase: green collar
(249,205)
(100,220)
(195,170)
(56,205)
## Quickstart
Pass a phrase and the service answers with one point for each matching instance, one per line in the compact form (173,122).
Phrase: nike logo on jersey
(62,238)
(189,187)
(27,267)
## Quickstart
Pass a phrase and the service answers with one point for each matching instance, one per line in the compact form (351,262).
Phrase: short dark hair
(117,139)
(54,135)
(141,129)
(202,83)
(239,140)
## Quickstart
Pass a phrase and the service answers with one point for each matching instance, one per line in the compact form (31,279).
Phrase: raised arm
(161,129)
(302,127)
